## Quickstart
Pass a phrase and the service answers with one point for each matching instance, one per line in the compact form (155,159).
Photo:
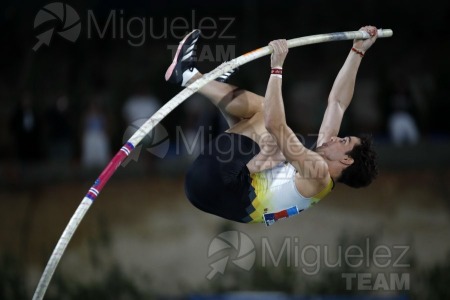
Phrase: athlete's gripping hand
(280,51)
(364,45)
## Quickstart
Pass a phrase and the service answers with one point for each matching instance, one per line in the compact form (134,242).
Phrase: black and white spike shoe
(183,65)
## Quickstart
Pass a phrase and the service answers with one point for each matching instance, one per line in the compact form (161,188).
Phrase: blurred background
(79,77)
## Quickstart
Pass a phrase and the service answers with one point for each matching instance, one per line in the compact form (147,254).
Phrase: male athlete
(258,170)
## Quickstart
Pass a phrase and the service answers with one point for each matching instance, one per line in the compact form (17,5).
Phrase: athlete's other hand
(280,51)
(364,45)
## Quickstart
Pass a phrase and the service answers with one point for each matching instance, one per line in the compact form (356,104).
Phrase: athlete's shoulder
(313,183)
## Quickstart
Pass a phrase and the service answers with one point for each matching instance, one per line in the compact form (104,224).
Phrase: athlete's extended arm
(304,160)
(342,91)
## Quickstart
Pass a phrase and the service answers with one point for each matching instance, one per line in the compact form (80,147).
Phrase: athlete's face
(336,148)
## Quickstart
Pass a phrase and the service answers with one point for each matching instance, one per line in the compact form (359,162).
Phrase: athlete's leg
(234,103)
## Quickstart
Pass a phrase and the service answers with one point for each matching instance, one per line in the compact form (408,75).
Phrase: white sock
(187,75)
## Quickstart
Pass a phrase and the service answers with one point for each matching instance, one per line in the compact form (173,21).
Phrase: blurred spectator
(27,131)
(141,105)
(138,108)
(95,140)
(60,133)
(402,125)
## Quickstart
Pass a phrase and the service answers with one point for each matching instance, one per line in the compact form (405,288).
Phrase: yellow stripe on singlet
(262,202)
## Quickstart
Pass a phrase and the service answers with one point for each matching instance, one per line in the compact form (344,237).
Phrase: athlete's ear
(347,160)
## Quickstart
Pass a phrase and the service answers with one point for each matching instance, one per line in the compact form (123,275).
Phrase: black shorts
(218,182)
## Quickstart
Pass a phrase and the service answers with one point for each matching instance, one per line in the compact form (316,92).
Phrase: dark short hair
(364,168)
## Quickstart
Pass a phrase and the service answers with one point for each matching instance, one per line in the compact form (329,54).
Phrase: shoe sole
(176,57)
